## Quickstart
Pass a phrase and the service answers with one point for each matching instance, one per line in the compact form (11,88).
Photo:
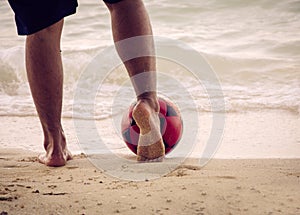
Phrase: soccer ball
(171,126)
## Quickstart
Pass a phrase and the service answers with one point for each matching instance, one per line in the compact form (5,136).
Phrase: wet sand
(264,180)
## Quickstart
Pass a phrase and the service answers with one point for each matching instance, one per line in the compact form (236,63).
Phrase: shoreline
(249,135)
(256,170)
(223,186)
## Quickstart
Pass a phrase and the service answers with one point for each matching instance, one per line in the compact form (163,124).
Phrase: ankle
(55,141)
(150,99)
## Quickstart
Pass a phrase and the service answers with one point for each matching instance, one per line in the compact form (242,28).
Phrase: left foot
(57,153)
(55,160)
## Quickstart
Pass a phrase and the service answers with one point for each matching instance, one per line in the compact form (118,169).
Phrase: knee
(111,5)
(52,32)
(123,5)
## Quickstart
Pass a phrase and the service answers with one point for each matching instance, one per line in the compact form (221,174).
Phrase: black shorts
(34,15)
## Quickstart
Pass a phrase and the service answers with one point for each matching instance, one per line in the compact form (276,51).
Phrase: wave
(253,47)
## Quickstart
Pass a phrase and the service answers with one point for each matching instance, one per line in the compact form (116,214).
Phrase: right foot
(150,145)
(56,155)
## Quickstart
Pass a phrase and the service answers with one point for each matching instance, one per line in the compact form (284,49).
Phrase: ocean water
(253,47)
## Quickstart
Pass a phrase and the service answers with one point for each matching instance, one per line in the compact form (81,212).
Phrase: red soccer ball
(171,126)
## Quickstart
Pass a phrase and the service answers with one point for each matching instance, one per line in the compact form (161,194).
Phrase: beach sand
(266,184)
(261,186)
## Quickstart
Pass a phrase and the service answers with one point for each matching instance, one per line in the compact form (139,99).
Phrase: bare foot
(57,153)
(150,145)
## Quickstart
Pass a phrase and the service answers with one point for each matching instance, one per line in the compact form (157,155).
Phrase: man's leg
(45,76)
(130,19)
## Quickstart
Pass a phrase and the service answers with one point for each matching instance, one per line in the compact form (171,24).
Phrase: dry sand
(262,186)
